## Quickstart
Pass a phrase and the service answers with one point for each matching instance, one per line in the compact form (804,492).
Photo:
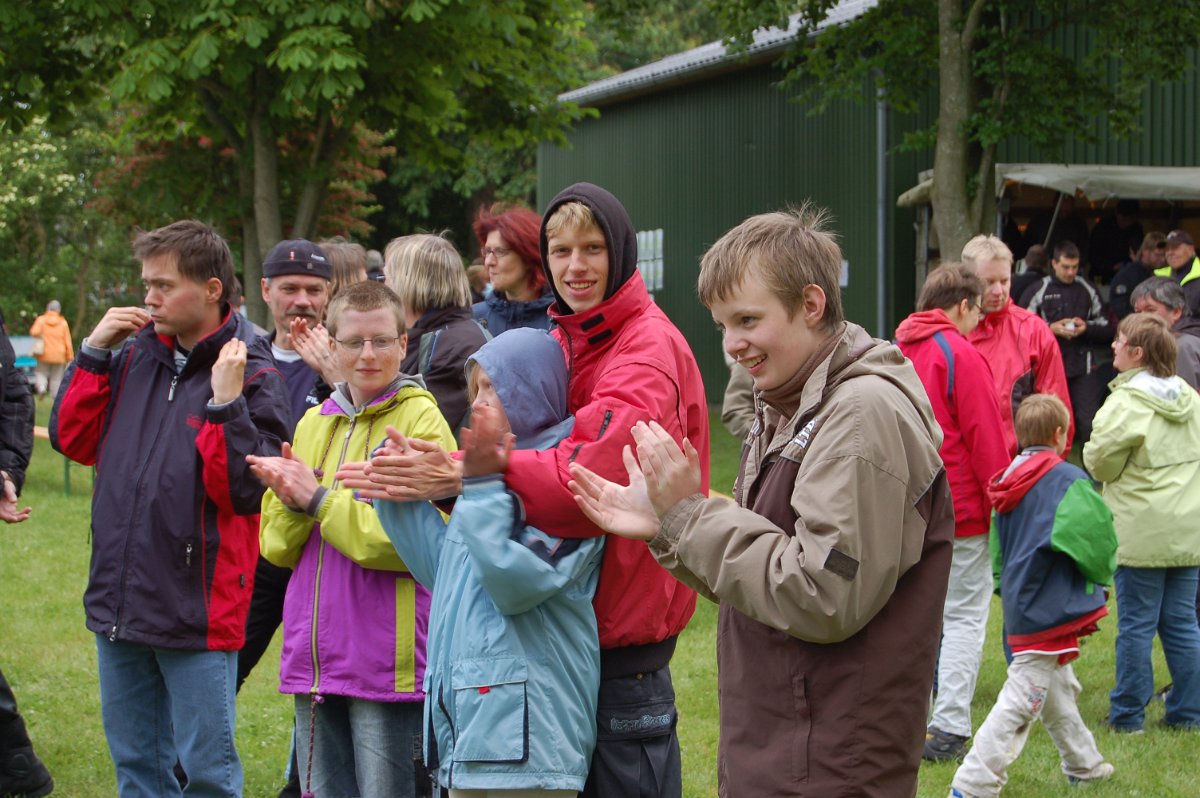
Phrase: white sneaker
(1099,773)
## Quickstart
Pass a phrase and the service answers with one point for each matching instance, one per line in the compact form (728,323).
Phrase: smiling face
(997,280)
(579,266)
(758,333)
(1180,255)
(369,370)
(1125,357)
(180,307)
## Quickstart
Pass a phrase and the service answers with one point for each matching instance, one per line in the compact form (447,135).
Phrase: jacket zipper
(316,664)
(171,393)
(607,419)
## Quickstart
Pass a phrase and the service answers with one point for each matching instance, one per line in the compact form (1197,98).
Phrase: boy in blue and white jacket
(1053,545)
(513,666)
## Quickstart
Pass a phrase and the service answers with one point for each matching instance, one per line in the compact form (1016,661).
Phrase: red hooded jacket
(1024,358)
(959,384)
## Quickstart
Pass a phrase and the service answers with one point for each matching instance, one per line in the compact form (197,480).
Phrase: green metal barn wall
(696,160)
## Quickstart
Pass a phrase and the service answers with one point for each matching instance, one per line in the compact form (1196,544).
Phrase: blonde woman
(427,273)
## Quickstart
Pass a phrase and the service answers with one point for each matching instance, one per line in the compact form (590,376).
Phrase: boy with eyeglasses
(357,683)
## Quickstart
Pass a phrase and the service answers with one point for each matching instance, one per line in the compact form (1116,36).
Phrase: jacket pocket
(491,710)
(191,587)
(801,728)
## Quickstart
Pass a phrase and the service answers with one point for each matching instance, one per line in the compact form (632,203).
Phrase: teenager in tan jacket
(831,566)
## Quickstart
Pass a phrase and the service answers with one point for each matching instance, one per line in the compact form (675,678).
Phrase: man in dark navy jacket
(167,401)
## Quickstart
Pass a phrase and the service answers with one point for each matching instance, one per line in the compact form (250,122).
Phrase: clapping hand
(287,475)
(314,347)
(660,476)
(485,445)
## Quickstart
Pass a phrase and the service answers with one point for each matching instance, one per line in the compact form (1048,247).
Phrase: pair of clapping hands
(314,347)
(402,469)
(411,469)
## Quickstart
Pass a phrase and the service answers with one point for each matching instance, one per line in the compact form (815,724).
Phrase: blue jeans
(160,704)
(1161,600)
(359,747)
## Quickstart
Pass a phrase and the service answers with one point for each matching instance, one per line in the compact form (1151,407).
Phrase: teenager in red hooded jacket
(959,384)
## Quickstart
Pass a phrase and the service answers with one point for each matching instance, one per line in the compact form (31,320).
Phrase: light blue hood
(528,371)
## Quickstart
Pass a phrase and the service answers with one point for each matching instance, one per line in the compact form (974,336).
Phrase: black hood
(618,231)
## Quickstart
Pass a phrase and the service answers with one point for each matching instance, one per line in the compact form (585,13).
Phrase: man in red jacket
(1018,345)
(959,384)
(627,363)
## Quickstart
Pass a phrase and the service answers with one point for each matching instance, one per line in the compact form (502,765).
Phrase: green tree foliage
(50,55)
(615,35)
(999,69)
(290,91)
(57,238)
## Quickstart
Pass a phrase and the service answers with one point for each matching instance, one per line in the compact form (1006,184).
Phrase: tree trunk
(951,159)
(264,152)
(328,146)
(256,309)
(82,284)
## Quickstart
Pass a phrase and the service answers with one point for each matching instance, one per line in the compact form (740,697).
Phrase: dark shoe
(1106,723)
(1161,695)
(23,775)
(1181,727)
(943,746)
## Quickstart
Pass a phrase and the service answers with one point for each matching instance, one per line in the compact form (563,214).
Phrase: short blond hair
(1039,417)
(1153,334)
(985,248)
(364,296)
(574,216)
(426,272)
(787,250)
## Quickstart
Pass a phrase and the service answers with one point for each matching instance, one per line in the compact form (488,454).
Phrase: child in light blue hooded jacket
(513,663)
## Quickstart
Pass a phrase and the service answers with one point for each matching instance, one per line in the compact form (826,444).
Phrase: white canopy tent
(1104,181)
(1096,181)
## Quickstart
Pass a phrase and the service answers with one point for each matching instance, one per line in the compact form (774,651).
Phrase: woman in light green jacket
(1145,448)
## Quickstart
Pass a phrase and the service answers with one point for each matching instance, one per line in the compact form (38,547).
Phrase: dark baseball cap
(1177,237)
(297,256)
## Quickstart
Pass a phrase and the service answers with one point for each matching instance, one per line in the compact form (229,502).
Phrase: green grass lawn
(49,657)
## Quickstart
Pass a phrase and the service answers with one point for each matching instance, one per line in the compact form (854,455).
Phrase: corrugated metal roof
(706,59)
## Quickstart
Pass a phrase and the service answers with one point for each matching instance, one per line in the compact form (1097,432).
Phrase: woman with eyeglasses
(427,273)
(508,241)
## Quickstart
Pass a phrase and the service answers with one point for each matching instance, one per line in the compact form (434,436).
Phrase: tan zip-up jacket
(831,571)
